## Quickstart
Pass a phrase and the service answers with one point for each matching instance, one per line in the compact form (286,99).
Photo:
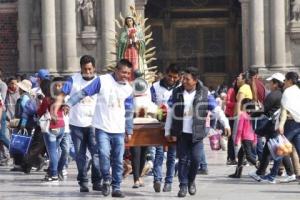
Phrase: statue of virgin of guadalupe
(131,44)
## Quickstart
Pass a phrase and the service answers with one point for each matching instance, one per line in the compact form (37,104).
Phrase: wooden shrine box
(150,134)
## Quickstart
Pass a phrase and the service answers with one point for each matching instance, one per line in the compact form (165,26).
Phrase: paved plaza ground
(215,186)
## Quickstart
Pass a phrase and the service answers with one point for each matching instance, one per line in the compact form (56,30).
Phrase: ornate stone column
(277,29)
(108,32)
(140,7)
(49,35)
(257,34)
(245,33)
(125,5)
(23,42)
(69,45)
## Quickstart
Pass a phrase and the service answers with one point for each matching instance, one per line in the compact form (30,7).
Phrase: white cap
(278,76)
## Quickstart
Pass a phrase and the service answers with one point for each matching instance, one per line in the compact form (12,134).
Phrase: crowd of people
(91,118)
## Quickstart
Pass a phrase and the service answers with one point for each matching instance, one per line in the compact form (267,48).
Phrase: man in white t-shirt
(113,120)
(82,131)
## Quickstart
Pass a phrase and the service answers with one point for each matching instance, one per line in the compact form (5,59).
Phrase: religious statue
(131,44)
(295,10)
(87,10)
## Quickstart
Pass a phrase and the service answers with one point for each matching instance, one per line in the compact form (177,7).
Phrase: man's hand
(173,138)
(66,109)
(169,138)
(281,130)
(227,132)
(127,138)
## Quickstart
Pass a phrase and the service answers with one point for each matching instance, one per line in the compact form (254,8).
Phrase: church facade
(220,37)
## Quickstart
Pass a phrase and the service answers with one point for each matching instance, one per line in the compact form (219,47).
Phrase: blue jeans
(111,148)
(189,158)
(84,138)
(292,133)
(4,134)
(158,162)
(52,141)
(64,151)
(203,163)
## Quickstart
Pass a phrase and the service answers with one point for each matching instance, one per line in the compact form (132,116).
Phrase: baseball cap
(43,74)
(278,76)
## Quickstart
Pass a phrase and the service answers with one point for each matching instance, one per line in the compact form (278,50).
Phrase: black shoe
(136,185)
(106,189)
(26,169)
(238,173)
(192,188)
(167,187)
(97,187)
(84,187)
(182,192)
(157,186)
(202,172)
(117,193)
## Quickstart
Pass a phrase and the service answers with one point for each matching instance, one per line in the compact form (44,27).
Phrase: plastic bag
(279,147)
(19,143)
(214,139)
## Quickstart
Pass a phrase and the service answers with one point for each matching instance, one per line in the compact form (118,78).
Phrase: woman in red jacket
(229,112)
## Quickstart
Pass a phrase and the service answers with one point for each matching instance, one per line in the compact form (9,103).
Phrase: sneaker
(231,162)
(267,179)
(51,179)
(254,176)
(289,179)
(106,189)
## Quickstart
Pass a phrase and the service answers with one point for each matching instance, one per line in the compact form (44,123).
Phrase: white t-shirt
(188,111)
(110,107)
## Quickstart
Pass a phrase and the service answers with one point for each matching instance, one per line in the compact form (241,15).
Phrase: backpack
(30,107)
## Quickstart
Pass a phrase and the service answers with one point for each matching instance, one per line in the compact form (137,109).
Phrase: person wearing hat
(272,104)
(23,113)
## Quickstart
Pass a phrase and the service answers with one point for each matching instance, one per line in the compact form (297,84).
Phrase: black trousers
(246,151)
(138,155)
(230,144)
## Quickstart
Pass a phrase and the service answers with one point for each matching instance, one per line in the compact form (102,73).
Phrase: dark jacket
(200,108)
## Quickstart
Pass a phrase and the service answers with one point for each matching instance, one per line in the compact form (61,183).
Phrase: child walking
(245,137)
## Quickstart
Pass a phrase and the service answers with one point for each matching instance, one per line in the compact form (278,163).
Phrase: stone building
(220,37)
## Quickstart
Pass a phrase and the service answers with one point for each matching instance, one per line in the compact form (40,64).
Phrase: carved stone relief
(87,10)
